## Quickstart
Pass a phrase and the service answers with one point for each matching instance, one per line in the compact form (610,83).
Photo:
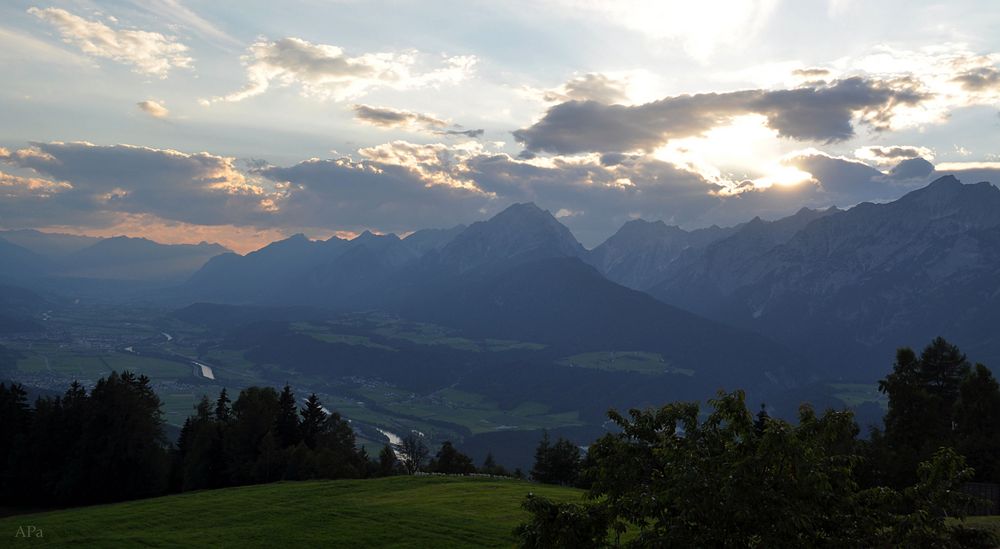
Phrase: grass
(625,361)
(155,368)
(322,332)
(388,512)
(470,410)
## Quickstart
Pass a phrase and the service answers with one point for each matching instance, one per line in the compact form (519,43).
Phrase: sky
(246,122)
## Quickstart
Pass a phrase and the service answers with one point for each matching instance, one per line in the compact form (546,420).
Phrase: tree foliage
(556,463)
(450,461)
(681,481)
(414,453)
(109,445)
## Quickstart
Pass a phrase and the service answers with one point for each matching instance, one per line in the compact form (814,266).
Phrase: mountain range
(27,254)
(835,291)
(841,287)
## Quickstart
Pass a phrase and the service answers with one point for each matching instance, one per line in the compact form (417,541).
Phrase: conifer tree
(286,427)
(223,411)
(313,420)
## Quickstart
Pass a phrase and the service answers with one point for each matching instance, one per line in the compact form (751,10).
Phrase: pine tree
(922,396)
(313,420)
(223,411)
(977,423)
(286,425)
(557,463)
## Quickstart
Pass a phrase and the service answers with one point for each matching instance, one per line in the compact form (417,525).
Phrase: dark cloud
(894,152)
(386,117)
(196,188)
(349,195)
(467,133)
(980,79)
(402,186)
(813,113)
(594,200)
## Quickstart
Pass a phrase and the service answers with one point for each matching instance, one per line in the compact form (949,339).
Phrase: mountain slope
(640,253)
(18,263)
(567,304)
(126,258)
(522,232)
(851,287)
(48,244)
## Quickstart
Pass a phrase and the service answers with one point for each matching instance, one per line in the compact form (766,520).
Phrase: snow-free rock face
(521,232)
(861,282)
(640,253)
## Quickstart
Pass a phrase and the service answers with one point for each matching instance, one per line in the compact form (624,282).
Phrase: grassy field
(389,512)
(625,361)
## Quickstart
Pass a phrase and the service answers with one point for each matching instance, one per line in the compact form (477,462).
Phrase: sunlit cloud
(147,52)
(324,71)
(15,186)
(153,108)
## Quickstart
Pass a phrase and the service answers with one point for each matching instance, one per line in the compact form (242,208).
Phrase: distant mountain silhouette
(425,240)
(639,254)
(55,256)
(50,245)
(522,232)
(852,286)
(19,263)
(127,258)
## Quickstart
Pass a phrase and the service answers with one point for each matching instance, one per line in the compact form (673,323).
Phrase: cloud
(198,188)
(398,187)
(818,113)
(812,73)
(173,10)
(153,108)
(590,87)
(402,186)
(148,52)
(980,79)
(886,155)
(386,117)
(15,186)
(19,46)
(327,72)
(467,133)
(389,118)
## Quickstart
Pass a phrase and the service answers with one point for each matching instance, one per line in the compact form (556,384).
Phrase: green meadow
(427,511)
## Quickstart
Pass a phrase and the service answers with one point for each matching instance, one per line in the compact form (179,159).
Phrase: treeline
(109,445)
(674,478)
